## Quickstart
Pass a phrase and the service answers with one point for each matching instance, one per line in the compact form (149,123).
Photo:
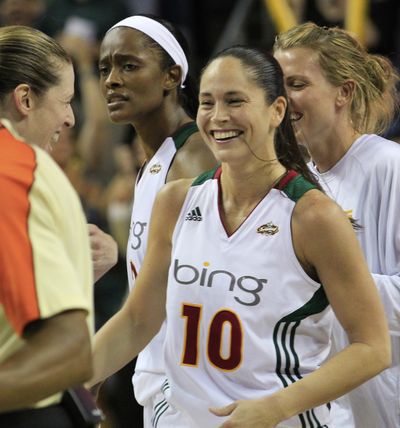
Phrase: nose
(113,79)
(220,113)
(70,118)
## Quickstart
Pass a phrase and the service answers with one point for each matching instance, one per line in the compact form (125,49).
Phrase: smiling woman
(46,279)
(240,260)
(36,82)
(341,98)
(55,106)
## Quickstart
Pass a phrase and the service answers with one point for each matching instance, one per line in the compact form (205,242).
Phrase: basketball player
(342,97)
(144,79)
(245,250)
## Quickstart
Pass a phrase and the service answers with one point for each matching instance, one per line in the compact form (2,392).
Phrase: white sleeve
(389,289)
(380,238)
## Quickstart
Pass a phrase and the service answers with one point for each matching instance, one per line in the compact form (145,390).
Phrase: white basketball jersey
(243,318)
(150,180)
(366,184)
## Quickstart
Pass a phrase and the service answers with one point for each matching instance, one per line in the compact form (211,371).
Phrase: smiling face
(234,117)
(312,98)
(52,111)
(131,78)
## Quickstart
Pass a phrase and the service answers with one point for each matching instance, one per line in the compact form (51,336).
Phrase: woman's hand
(104,251)
(249,414)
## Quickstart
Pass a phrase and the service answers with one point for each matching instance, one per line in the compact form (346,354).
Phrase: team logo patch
(349,213)
(194,215)
(268,229)
(155,169)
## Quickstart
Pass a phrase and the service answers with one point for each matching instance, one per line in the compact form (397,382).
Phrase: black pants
(48,417)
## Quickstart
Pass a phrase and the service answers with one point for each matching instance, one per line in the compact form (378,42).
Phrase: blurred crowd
(102,159)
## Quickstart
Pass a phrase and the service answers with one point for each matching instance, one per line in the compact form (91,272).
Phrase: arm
(192,159)
(281,14)
(326,244)
(44,298)
(389,290)
(380,236)
(95,119)
(132,328)
(96,135)
(55,355)
(104,251)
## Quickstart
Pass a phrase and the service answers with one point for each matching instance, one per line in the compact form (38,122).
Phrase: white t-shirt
(366,183)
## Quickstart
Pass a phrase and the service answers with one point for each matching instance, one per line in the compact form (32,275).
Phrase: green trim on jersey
(296,188)
(287,359)
(202,178)
(315,305)
(182,134)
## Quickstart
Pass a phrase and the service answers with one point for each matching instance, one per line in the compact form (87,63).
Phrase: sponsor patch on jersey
(268,229)
(155,169)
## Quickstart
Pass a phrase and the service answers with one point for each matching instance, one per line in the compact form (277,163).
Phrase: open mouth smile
(295,116)
(223,136)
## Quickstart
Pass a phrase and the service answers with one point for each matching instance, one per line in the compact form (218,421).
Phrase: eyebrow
(229,93)
(294,76)
(120,57)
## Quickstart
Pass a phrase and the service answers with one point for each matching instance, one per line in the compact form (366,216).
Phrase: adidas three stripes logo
(194,215)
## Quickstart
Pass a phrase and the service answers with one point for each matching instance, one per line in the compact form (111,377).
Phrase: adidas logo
(194,215)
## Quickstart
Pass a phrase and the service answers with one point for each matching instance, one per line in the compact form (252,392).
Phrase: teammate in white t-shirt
(340,96)
(143,76)
(245,252)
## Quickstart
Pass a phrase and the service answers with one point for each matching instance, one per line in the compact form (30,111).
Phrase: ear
(173,77)
(345,93)
(280,106)
(23,98)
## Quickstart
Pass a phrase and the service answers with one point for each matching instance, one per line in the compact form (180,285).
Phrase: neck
(246,187)
(153,128)
(242,191)
(326,153)
(16,127)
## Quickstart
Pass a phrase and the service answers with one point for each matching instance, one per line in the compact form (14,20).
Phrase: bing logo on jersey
(246,287)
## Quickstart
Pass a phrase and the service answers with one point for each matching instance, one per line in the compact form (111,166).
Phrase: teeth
(295,116)
(222,135)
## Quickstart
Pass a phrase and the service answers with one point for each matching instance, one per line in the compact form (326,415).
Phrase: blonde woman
(341,99)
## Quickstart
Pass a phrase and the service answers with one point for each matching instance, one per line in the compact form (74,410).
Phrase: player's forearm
(342,373)
(54,358)
(118,342)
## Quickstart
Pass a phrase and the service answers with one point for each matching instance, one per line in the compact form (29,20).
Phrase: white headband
(161,35)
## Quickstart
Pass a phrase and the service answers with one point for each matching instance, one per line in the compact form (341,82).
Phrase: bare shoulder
(192,159)
(170,199)
(317,210)
(319,226)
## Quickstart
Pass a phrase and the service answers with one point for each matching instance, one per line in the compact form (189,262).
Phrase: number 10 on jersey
(223,321)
